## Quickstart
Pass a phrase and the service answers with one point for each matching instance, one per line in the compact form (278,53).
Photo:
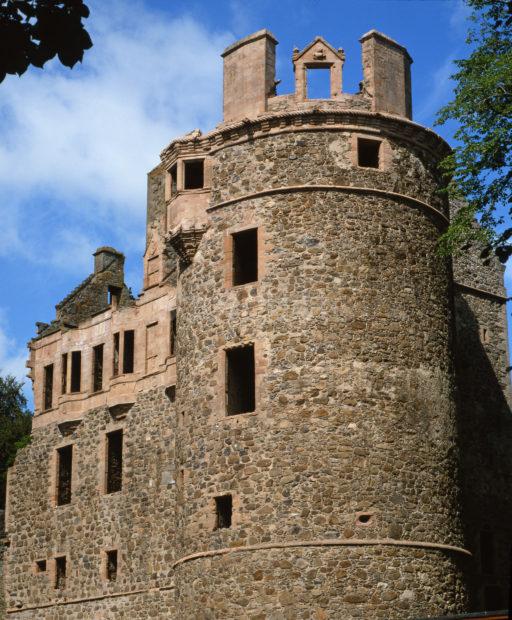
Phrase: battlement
(250,84)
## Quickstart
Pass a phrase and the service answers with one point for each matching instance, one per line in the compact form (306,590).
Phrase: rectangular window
(223,511)
(172,336)
(64,373)
(48,387)
(114,473)
(114,295)
(97,368)
(173,172)
(111,565)
(60,572)
(194,174)
(40,566)
(76,371)
(245,256)
(151,347)
(240,380)
(368,153)
(318,82)
(487,552)
(64,474)
(128,353)
(115,358)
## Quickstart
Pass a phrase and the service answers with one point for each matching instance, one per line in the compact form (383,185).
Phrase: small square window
(368,153)
(194,174)
(40,566)
(223,512)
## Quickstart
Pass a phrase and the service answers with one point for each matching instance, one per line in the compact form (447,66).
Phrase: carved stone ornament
(185,241)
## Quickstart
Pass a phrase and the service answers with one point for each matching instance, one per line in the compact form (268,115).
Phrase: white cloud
(440,90)
(76,145)
(459,16)
(12,355)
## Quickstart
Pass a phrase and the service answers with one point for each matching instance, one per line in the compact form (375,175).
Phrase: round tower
(316,452)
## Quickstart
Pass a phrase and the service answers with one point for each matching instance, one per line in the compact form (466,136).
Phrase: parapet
(250,84)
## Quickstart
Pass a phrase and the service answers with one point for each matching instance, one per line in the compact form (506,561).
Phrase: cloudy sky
(76,145)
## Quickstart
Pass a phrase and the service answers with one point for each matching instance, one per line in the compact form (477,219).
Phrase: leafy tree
(15,426)
(480,167)
(34,31)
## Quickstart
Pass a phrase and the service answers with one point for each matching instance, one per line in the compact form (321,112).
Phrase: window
(111,565)
(97,368)
(64,474)
(223,511)
(194,174)
(48,387)
(114,473)
(60,572)
(64,373)
(240,384)
(170,392)
(173,173)
(76,371)
(114,295)
(487,552)
(245,256)
(172,334)
(40,566)
(318,80)
(368,153)
(115,358)
(151,347)
(129,338)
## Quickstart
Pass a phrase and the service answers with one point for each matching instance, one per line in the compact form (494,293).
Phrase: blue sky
(76,145)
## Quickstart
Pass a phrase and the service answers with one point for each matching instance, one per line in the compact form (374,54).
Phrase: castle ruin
(304,415)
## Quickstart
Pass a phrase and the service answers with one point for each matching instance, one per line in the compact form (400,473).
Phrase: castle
(304,415)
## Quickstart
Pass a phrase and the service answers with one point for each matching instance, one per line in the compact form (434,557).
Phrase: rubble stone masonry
(329,439)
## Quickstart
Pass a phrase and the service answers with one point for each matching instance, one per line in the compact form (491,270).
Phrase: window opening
(114,461)
(60,572)
(151,347)
(64,373)
(194,174)
(240,384)
(364,518)
(170,392)
(223,511)
(173,172)
(172,345)
(40,566)
(318,82)
(115,358)
(368,153)
(128,353)
(114,295)
(76,370)
(64,474)
(245,256)
(48,387)
(111,571)
(97,371)
(487,552)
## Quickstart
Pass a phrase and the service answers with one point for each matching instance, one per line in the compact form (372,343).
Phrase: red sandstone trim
(333,188)
(99,597)
(347,542)
(481,291)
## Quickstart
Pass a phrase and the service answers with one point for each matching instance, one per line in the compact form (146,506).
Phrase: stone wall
(138,521)
(354,407)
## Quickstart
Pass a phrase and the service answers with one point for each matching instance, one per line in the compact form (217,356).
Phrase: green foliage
(479,171)
(34,31)
(15,426)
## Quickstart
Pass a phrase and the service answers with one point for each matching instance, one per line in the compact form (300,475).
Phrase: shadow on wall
(485,435)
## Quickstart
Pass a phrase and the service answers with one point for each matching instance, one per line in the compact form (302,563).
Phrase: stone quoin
(305,413)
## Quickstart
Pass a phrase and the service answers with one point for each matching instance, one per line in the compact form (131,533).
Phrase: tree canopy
(34,31)
(15,426)
(480,167)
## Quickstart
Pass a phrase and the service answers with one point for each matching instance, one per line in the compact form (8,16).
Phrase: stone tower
(273,428)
